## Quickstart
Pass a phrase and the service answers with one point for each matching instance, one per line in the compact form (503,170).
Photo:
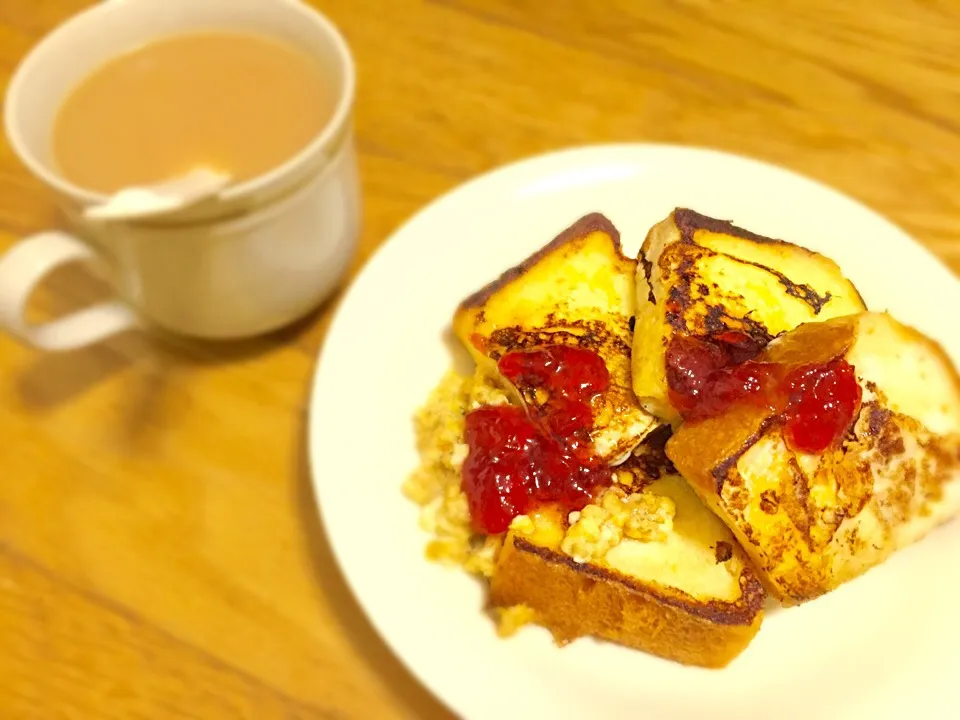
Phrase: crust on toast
(590,223)
(585,600)
(701,276)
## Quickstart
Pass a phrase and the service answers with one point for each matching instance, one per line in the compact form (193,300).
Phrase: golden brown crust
(678,261)
(588,334)
(813,522)
(700,276)
(721,613)
(689,221)
(576,291)
(594,222)
(706,451)
(574,600)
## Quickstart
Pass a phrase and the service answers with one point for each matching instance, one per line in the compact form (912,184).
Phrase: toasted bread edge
(593,222)
(573,600)
(689,221)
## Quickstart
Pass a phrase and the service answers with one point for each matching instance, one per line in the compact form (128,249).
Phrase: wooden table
(160,552)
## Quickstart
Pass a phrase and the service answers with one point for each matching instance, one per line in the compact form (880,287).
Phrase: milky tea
(235,102)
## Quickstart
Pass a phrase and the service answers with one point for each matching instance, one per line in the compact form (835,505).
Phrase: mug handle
(25,266)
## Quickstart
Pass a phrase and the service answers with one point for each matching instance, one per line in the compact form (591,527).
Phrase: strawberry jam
(521,458)
(823,401)
(708,375)
(705,376)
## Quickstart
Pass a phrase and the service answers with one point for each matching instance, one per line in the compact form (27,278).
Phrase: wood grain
(160,555)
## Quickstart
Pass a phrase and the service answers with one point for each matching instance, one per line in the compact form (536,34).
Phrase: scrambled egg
(435,484)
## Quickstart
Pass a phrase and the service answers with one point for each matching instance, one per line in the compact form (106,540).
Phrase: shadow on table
(54,379)
(402,684)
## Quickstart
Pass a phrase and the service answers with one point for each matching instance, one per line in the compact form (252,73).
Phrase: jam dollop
(822,402)
(708,375)
(522,458)
(816,403)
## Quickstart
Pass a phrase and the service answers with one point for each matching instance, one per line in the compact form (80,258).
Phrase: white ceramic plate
(884,645)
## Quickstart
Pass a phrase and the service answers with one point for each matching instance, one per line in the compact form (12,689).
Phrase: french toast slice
(647,566)
(577,291)
(811,521)
(699,276)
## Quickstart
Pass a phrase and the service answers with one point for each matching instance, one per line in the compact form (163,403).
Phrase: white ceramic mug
(262,254)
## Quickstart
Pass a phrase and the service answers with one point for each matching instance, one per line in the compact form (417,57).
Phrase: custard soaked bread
(576,292)
(703,277)
(841,446)
(647,566)
(598,539)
